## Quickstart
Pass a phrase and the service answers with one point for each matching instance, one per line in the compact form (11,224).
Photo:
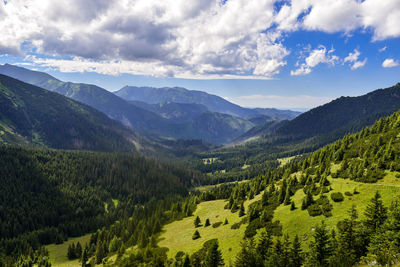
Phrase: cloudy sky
(265,53)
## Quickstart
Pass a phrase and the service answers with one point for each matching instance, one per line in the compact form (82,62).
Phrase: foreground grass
(177,236)
(58,253)
(299,222)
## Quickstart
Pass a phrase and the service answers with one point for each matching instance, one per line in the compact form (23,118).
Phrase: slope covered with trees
(48,195)
(29,114)
(367,157)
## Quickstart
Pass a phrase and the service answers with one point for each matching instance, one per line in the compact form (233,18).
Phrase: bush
(347,193)
(236,226)
(326,209)
(337,197)
(314,210)
(217,224)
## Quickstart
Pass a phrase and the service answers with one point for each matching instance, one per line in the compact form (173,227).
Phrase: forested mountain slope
(294,199)
(48,195)
(32,115)
(344,115)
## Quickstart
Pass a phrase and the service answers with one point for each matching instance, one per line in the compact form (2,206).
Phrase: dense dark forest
(48,195)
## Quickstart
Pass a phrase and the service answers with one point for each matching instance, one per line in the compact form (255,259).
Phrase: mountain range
(169,120)
(214,103)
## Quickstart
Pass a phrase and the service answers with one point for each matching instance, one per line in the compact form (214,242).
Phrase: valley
(132,197)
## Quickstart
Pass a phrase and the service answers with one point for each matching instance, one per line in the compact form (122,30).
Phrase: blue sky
(261,53)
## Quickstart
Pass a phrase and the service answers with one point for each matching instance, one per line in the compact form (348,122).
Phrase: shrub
(314,210)
(347,193)
(207,223)
(235,226)
(337,197)
(217,224)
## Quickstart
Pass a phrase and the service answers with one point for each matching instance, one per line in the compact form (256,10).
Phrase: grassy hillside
(31,115)
(177,236)
(299,222)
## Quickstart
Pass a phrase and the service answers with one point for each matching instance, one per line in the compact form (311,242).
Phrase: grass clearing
(177,236)
(209,187)
(284,161)
(209,160)
(58,253)
(299,222)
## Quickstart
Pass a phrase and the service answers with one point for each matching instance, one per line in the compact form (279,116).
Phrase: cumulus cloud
(352,59)
(390,63)
(317,56)
(201,38)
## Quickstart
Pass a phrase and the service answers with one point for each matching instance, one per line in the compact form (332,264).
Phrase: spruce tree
(264,245)
(78,250)
(214,257)
(296,257)
(320,251)
(84,256)
(197,221)
(375,213)
(241,211)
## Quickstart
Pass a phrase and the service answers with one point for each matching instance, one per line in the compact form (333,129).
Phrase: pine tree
(264,245)
(207,223)
(241,211)
(320,250)
(214,256)
(197,221)
(71,252)
(78,250)
(375,213)
(296,257)
(186,261)
(100,254)
(196,235)
(84,256)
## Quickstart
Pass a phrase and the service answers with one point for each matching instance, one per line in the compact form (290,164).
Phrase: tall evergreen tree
(320,251)
(214,256)
(296,257)
(375,213)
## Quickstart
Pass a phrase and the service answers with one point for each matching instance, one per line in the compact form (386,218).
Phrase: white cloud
(352,58)
(317,56)
(199,38)
(390,63)
(382,17)
(382,49)
(278,101)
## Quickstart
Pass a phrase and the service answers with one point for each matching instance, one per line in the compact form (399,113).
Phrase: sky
(261,53)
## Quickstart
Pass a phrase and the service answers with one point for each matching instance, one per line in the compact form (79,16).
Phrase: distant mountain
(171,120)
(175,112)
(329,122)
(214,103)
(344,115)
(215,127)
(32,115)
